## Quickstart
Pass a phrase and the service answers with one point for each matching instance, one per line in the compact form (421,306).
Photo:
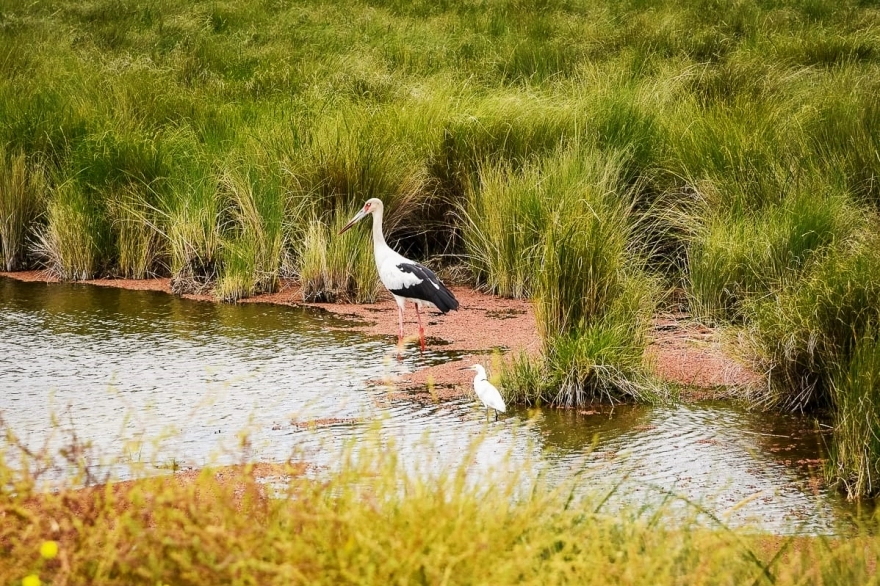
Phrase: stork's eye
(366,207)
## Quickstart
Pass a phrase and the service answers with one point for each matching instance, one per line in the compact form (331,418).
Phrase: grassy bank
(731,150)
(365,523)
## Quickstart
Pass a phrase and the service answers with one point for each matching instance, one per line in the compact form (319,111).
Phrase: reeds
(737,257)
(559,230)
(815,340)
(855,389)
(252,245)
(141,247)
(810,328)
(23,190)
(192,212)
(75,242)
(337,268)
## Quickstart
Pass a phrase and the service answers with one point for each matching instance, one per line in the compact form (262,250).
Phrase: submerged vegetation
(588,155)
(364,522)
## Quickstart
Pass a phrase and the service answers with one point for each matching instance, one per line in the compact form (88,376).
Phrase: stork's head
(373,206)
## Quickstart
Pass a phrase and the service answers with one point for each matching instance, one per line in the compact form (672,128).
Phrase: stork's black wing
(428,289)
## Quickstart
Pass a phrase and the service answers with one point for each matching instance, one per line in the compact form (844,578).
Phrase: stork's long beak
(354,220)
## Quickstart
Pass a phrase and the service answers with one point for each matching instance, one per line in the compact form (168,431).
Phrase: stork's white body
(388,261)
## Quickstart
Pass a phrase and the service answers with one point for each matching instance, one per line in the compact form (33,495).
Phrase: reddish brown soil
(690,354)
(682,351)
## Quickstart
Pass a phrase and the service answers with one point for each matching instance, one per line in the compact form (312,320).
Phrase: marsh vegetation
(373,520)
(588,155)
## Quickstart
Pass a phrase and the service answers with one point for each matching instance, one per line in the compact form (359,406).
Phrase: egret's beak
(466,368)
(359,216)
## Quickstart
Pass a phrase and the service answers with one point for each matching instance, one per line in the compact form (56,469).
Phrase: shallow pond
(122,368)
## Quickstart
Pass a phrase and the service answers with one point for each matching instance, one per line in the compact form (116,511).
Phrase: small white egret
(405,279)
(486,391)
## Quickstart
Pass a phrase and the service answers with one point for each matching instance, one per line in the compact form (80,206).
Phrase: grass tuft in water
(560,230)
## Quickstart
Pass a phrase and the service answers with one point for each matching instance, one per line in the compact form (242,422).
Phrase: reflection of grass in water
(369,520)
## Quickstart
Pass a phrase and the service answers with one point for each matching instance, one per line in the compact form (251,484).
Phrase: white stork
(486,391)
(405,279)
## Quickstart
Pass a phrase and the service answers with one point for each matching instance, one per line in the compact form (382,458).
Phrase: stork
(486,391)
(405,279)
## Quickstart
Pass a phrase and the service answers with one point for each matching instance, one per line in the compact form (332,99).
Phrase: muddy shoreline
(681,352)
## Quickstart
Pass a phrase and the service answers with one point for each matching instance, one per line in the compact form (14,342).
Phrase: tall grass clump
(251,246)
(815,342)
(855,390)
(512,127)
(76,240)
(734,257)
(141,247)
(502,231)
(744,150)
(23,190)
(593,312)
(337,268)
(803,333)
(346,159)
(560,230)
(844,133)
(354,154)
(191,210)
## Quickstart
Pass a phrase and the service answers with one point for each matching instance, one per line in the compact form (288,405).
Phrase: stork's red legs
(400,325)
(400,329)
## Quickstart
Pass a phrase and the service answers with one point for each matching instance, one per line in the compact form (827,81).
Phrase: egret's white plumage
(486,391)
(405,279)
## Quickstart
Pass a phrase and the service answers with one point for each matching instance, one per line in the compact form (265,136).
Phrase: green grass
(815,341)
(560,229)
(191,216)
(735,258)
(252,248)
(23,190)
(75,242)
(809,329)
(855,389)
(364,522)
(338,268)
(141,249)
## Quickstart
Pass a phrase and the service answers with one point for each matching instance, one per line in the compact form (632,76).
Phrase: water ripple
(123,367)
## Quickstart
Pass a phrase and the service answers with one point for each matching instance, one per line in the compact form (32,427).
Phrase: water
(122,368)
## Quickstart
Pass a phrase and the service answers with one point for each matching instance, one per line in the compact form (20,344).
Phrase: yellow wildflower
(49,549)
